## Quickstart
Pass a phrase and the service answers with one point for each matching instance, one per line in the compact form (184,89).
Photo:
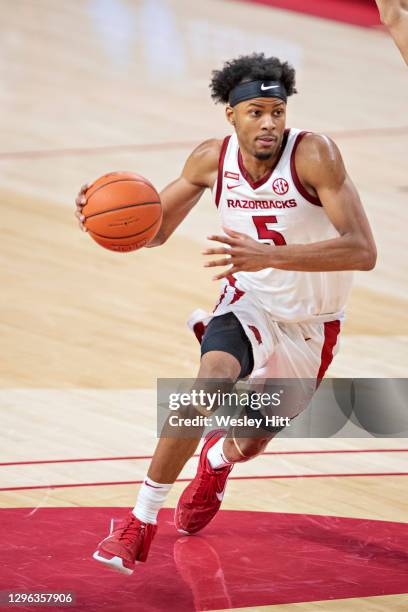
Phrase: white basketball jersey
(279,210)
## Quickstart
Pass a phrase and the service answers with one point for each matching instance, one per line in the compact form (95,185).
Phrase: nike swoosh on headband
(257,89)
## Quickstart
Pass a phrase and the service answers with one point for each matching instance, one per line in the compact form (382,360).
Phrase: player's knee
(217,364)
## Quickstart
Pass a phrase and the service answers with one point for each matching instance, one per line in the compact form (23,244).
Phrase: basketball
(123,211)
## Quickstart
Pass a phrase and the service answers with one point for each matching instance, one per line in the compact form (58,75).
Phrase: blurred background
(90,86)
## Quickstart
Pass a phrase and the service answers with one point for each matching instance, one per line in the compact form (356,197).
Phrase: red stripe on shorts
(222,296)
(199,329)
(238,293)
(256,333)
(331,331)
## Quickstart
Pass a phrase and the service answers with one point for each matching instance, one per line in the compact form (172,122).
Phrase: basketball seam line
(125,237)
(118,180)
(119,208)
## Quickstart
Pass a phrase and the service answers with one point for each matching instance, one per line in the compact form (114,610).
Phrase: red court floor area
(241,559)
(356,12)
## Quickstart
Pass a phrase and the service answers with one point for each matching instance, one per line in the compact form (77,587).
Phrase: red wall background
(357,12)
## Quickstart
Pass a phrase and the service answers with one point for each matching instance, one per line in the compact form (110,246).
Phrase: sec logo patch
(280,186)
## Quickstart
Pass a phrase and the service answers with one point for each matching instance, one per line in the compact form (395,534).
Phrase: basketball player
(394,15)
(294,231)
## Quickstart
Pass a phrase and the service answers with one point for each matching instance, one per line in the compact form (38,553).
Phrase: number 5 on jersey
(265,233)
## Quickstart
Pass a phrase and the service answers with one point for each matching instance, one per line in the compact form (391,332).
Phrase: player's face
(260,125)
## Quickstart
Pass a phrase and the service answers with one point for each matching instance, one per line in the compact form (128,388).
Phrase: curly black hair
(250,68)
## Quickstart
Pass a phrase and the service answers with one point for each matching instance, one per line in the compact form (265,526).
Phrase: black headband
(257,89)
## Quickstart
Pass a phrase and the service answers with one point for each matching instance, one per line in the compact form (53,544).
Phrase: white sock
(150,499)
(216,457)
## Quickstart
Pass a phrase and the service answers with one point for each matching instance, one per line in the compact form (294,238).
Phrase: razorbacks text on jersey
(279,210)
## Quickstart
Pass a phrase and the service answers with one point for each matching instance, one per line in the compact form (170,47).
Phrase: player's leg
(303,352)
(238,449)
(172,453)
(131,539)
(202,498)
(225,354)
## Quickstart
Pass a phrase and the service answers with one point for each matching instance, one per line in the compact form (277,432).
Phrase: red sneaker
(201,499)
(128,542)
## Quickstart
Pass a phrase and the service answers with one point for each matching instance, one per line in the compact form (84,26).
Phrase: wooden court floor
(95,86)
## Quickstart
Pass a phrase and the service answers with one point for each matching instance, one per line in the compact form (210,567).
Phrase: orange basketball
(122,212)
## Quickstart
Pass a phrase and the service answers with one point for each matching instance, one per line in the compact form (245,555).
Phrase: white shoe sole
(115,563)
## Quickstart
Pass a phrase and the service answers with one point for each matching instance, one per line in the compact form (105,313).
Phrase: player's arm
(394,15)
(179,197)
(321,170)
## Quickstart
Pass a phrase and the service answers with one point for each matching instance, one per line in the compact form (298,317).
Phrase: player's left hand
(243,253)
(80,202)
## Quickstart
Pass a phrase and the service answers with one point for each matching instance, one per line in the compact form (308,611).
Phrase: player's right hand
(80,202)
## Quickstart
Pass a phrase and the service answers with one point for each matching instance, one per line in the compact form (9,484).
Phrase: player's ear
(229,111)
